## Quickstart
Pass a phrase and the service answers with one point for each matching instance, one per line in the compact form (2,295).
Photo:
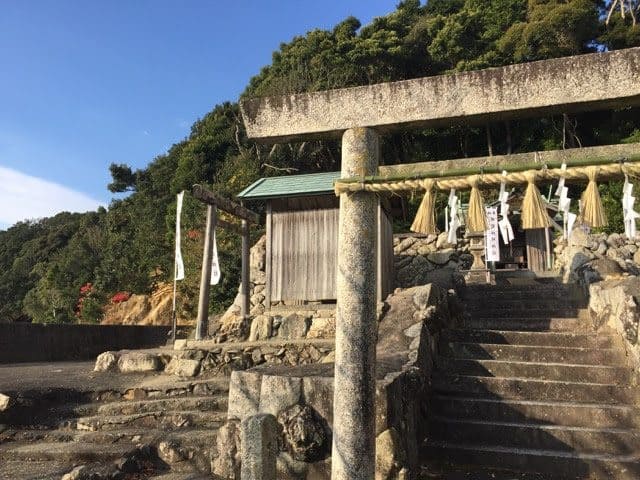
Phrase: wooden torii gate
(213,202)
(359,115)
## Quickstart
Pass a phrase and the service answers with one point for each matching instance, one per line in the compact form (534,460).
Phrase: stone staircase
(165,429)
(525,388)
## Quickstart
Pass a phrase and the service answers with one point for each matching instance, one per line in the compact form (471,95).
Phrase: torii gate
(360,115)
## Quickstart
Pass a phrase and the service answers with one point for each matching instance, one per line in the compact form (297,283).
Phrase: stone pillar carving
(353,452)
(259,447)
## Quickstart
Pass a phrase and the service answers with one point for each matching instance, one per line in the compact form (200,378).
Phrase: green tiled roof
(291,186)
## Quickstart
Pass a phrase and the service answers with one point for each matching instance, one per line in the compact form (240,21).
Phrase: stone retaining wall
(26,342)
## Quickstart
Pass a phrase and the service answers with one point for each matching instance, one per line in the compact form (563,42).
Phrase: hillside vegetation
(65,268)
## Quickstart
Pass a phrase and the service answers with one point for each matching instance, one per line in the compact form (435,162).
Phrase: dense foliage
(47,265)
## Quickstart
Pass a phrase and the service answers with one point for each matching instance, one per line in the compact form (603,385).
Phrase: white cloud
(24,197)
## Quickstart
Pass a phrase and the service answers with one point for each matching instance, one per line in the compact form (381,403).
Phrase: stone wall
(420,260)
(26,342)
(607,268)
(301,397)
(215,358)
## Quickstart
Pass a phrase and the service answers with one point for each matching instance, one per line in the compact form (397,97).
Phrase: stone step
(539,354)
(159,420)
(195,403)
(543,437)
(432,470)
(534,389)
(548,339)
(568,464)
(11,469)
(533,324)
(74,452)
(539,371)
(592,415)
(492,311)
(529,305)
(181,476)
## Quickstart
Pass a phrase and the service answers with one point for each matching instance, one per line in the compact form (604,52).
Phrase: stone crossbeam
(570,84)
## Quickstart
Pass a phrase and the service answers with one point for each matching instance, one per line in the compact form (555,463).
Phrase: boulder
(257,254)
(228,443)
(440,258)
(171,453)
(5,402)
(183,367)
(305,434)
(261,328)
(293,327)
(106,362)
(442,241)
(78,473)
(390,455)
(135,362)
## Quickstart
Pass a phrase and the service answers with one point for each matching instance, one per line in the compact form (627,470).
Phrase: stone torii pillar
(353,455)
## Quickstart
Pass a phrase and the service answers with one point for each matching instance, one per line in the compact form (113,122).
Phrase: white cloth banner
(561,182)
(491,239)
(179,264)
(215,266)
(506,230)
(454,219)
(630,215)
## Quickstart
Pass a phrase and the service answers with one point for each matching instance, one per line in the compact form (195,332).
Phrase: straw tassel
(534,210)
(593,213)
(425,218)
(476,217)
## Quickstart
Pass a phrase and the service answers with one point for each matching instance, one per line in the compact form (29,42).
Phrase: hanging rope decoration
(534,211)
(425,221)
(593,211)
(476,217)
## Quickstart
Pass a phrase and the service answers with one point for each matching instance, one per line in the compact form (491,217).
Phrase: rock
(440,258)
(466,260)
(128,464)
(606,268)
(414,330)
(170,452)
(579,238)
(258,277)
(329,357)
(106,362)
(404,245)
(257,254)
(228,444)
(613,303)
(257,310)
(261,328)
(183,367)
(602,248)
(79,473)
(636,257)
(442,242)
(257,299)
(305,433)
(131,362)
(390,455)
(5,402)
(322,328)
(615,240)
(293,327)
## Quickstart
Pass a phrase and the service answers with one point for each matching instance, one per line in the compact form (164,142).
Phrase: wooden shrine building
(302,238)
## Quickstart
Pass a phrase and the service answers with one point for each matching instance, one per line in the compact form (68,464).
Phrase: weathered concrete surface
(353,456)
(26,342)
(529,89)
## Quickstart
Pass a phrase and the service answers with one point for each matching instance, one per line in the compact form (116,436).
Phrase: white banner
(179,264)
(215,266)
(454,220)
(491,238)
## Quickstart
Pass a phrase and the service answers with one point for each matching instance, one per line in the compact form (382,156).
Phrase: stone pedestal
(353,450)
(259,447)
(479,273)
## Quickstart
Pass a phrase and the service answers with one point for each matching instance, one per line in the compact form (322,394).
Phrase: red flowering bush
(193,234)
(120,297)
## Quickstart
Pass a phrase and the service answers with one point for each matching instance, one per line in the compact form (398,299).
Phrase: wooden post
(205,277)
(244,292)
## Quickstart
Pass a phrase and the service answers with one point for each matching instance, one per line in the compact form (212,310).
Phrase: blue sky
(85,83)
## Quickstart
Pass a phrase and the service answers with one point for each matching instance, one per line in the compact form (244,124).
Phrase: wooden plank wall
(536,249)
(386,274)
(304,249)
